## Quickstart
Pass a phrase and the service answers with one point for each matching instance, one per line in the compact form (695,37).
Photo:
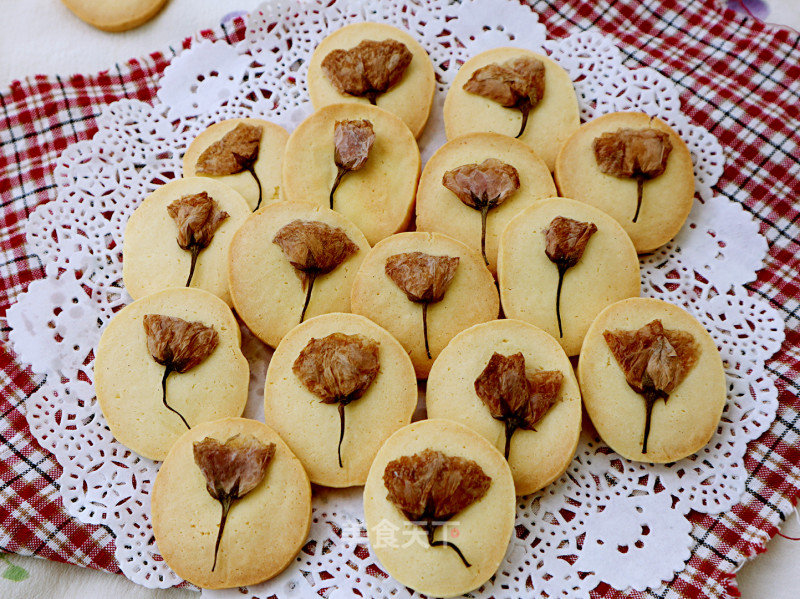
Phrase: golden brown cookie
(549,124)
(119,15)
(312,427)
(481,531)
(267,165)
(682,362)
(666,198)
(468,298)
(379,196)
(268,292)
(264,529)
(537,456)
(606,271)
(128,380)
(410,98)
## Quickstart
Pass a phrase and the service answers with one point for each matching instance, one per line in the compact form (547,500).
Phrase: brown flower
(517,399)
(517,83)
(178,345)
(423,278)
(431,487)
(231,469)
(565,242)
(654,361)
(338,369)
(368,69)
(314,249)
(352,141)
(633,153)
(237,151)
(197,217)
(482,186)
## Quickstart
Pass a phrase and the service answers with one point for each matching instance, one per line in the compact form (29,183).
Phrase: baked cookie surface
(666,199)
(268,292)
(536,457)
(439,209)
(683,423)
(378,198)
(481,531)
(152,260)
(312,428)
(186,517)
(127,378)
(470,298)
(549,124)
(410,98)
(607,271)
(119,15)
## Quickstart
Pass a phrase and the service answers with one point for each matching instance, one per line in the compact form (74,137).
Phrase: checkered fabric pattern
(738,78)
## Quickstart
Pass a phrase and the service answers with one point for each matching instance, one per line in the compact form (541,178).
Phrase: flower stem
(484,214)
(639,193)
(341,431)
(195,251)
(510,428)
(251,169)
(524,107)
(339,174)
(562,269)
(311,278)
(225,502)
(425,328)
(167,371)
(429,529)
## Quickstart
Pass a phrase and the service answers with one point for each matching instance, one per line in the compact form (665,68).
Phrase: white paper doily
(606,520)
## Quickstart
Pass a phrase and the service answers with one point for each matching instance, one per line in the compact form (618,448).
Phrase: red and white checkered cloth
(739,79)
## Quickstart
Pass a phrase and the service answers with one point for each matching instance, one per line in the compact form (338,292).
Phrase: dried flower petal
(517,83)
(423,278)
(654,361)
(179,346)
(368,69)
(482,186)
(338,368)
(197,217)
(431,487)
(565,241)
(313,248)
(352,141)
(633,153)
(512,396)
(231,469)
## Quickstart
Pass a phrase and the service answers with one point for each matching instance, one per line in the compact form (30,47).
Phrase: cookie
(311,427)
(481,531)
(128,380)
(152,258)
(120,15)
(269,293)
(549,123)
(536,457)
(440,209)
(264,529)
(469,298)
(606,272)
(410,98)
(666,198)
(683,423)
(379,197)
(267,165)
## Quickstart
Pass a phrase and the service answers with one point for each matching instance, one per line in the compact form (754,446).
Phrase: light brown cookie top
(607,270)
(268,292)
(666,199)
(128,380)
(153,260)
(481,531)
(469,298)
(440,209)
(267,166)
(311,427)
(683,423)
(264,529)
(379,197)
(549,124)
(410,98)
(536,457)
(119,15)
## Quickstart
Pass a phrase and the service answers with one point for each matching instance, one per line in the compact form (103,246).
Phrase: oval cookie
(683,423)
(116,16)
(264,529)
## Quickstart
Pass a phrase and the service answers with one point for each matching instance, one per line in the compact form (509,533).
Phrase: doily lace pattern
(606,520)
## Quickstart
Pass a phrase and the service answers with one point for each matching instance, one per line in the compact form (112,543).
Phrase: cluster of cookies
(305,237)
